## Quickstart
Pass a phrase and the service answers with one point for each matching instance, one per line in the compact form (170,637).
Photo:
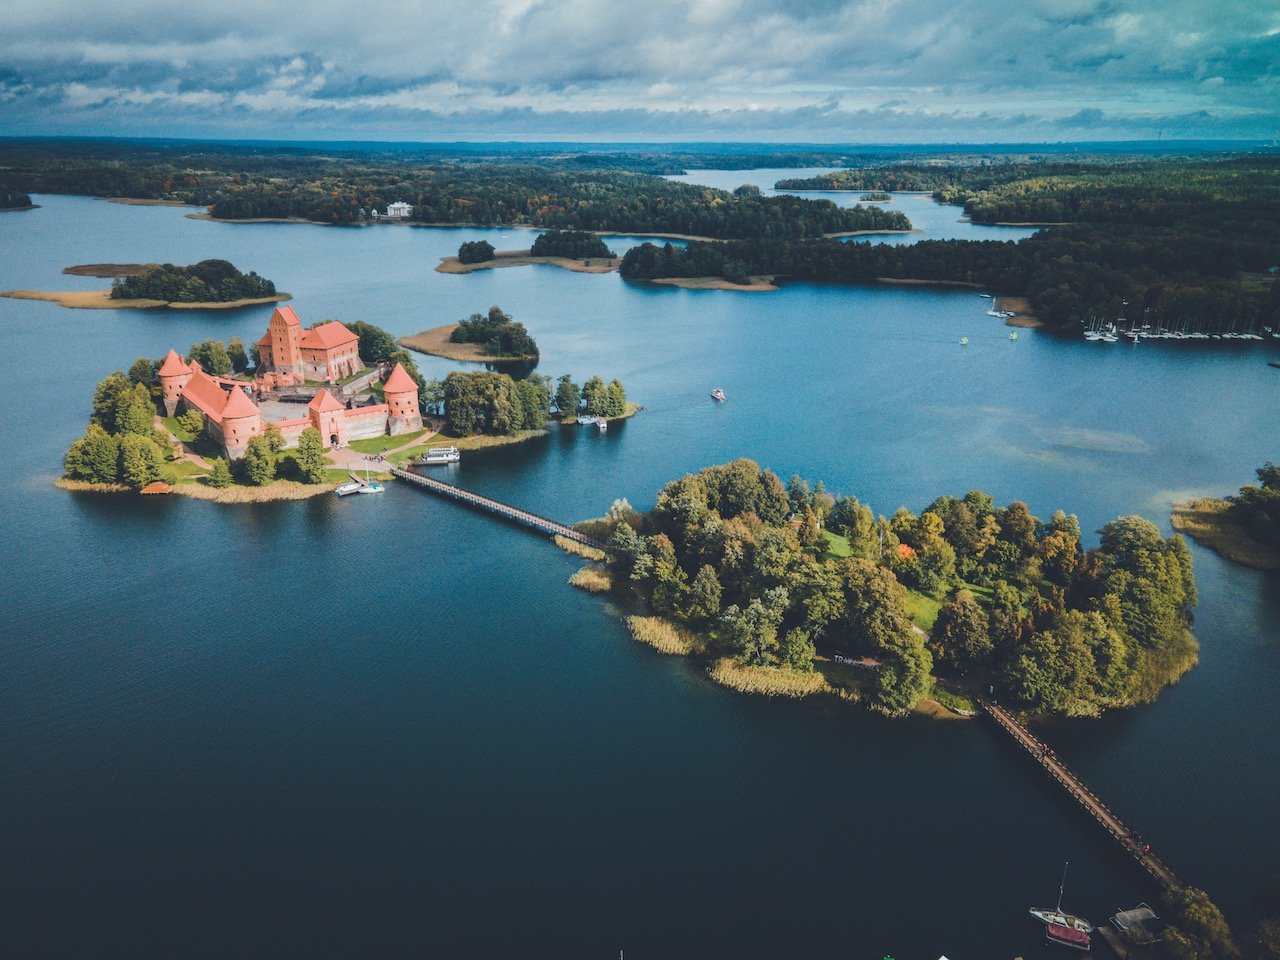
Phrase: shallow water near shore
(341,728)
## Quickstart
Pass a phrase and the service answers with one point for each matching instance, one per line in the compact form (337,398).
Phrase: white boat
(373,486)
(351,486)
(439,455)
(1057,917)
(985,296)
(717,394)
(995,313)
(1013,335)
(964,341)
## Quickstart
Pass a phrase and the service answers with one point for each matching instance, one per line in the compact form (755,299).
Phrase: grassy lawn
(923,610)
(356,376)
(384,443)
(954,699)
(183,469)
(176,429)
(837,546)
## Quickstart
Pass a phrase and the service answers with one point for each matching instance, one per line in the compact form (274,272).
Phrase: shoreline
(101,300)
(144,202)
(521,258)
(435,342)
(911,282)
(236,493)
(1206,521)
(869,233)
(30,206)
(1020,307)
(758,284)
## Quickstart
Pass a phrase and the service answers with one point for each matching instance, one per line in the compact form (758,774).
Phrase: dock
(1090,801)
(488,505)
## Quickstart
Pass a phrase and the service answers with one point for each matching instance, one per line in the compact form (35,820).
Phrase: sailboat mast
(1065,864)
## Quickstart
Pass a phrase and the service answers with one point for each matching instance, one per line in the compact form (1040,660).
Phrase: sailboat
(1056,917)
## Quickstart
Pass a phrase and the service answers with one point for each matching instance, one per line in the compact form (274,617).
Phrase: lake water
(389,726)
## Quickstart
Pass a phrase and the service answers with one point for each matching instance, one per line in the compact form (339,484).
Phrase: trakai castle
(289,358)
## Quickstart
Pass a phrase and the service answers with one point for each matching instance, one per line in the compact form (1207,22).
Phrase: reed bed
(769,681)
(592,579)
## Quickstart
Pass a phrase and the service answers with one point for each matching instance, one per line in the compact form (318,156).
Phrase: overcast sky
(799,70)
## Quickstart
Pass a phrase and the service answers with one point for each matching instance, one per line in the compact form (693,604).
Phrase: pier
(496,507)
(1092,804)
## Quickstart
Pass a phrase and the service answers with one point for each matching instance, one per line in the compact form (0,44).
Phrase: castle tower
(241,421)
(403,413)
(285,331)
(174,375)
(329,417)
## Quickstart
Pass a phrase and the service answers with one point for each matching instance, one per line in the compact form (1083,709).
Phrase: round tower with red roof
(403,413)
(241,422)
(173,375)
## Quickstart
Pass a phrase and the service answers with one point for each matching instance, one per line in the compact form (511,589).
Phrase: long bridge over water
(1048,761)
(1078,791)
(496,507)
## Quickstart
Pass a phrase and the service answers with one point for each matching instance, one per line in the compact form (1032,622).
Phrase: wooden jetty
(488,505)
(1089,800)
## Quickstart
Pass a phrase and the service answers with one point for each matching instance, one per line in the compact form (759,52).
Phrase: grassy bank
(769,681)
(665,636)
(592,579)
(101,300)
(1208,523)
(580,549)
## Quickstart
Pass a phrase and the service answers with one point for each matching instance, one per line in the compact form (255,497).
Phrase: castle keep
(290,356)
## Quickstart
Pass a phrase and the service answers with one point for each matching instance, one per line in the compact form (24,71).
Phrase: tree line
(494,403)
(209,281)
(1257,507)
(574,244)
(733,552)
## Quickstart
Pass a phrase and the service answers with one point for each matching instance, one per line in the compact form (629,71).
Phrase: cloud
(715,68)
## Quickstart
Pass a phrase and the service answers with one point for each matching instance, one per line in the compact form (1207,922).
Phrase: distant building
(289,356)
(399,210)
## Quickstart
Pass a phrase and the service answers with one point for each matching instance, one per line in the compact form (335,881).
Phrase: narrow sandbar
(101,300)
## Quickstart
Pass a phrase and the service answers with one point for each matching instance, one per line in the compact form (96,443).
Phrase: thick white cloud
(815,69)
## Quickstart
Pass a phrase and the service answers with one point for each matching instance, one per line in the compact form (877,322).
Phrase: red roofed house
(327,352)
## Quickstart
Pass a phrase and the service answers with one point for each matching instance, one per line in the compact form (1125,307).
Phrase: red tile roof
(287,315)
(327,336)
(238,405)
(323,402)
(373,410)
(156,486)
(203,392)
(266,339)
(173,365)
(399,382)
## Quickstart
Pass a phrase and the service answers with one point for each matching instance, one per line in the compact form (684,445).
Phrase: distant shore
(436,343)
(143,202)
(908,282)
(1020,307)
(101,300)
(761,284)
(522,258)
(867,233)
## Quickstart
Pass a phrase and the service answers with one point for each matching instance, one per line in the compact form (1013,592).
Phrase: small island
(579,250)
(876,196)
(480,338)
(788,590)
(1244,528)
(207,285)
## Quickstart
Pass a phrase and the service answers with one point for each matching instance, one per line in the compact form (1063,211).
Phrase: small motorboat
(717,394)
(348,488)
(964,341)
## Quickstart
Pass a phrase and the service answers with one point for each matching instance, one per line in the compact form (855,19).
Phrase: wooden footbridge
(496,507)
(1092,804)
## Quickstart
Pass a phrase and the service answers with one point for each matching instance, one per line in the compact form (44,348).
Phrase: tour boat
(717,394)
(1067,937)
(1056,917)
(438,455)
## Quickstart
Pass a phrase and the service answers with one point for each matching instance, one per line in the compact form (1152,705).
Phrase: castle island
(320,363)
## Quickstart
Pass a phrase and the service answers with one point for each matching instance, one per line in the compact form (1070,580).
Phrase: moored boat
(439,455)
(1056,917)
(1067,937)
(373,486)
(351,486)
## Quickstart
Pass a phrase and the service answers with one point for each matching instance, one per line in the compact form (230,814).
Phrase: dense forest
(494,403)
(575,244)
(1076,277)
(209,281)
(775,575)
(498,333)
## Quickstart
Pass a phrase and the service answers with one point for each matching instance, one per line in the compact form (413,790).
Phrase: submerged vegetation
(731,553)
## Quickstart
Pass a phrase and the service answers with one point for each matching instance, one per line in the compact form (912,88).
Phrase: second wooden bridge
(1076,788)
(488,505)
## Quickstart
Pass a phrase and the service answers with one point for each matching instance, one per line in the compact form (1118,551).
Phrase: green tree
(960,638)
(310,457)
(192,421)
(95,457)
(905,674)
(594,392)
(703,599)
(259,462)
(143,371)
(475,251)
(219,473)
(212,357)
(796,652)
(615,399)
(140,460)
(1197,930)
(135,411)
(568,396)
(236,353)
(752,633)
(106,398)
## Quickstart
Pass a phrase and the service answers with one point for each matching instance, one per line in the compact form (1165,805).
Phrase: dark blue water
(390,727)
